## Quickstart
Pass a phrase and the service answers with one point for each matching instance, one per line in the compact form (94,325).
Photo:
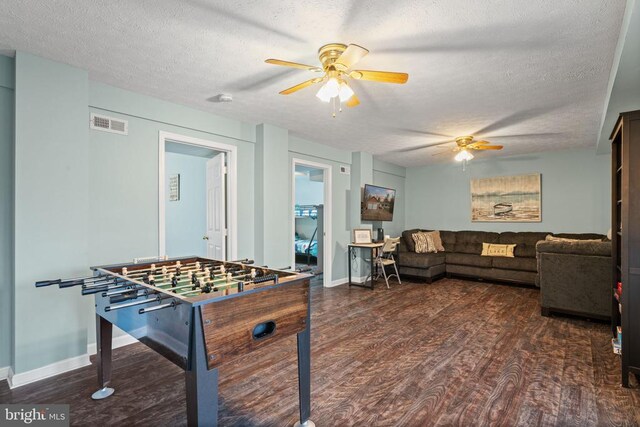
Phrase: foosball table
(199,313)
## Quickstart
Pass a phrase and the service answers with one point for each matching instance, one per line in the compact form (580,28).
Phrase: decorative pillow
(437,241)
(494,249)
(551,238)
(423,242)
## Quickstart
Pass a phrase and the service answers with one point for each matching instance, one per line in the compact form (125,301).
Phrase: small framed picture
(174,188)
(361,235)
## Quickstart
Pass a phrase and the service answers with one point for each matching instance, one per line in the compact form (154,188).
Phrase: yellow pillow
(493,249)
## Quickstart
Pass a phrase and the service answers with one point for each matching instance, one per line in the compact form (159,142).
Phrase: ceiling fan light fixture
(345,92)
(329,90)
(464,155)
(322,95)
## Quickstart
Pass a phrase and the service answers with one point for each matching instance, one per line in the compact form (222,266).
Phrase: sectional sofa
(462,256)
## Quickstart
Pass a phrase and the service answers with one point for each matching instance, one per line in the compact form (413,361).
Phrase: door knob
(205,237)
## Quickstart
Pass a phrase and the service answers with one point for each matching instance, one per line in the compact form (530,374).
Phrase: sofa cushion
(468,259)
(551,238)
(580,236)
(582,247)
(412,259)
(470,242)
(525,242)
(448,240)
(407,236)
(520,264)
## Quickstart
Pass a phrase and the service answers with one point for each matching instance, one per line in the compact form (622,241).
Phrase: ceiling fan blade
(352,54)
(424,132)
(293,65)
(420,147)
(353,101)
(380,76)
(300,86)
(487,147)
(480,143)
(524,135)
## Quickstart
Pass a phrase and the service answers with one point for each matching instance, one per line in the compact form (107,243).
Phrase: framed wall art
(506,199)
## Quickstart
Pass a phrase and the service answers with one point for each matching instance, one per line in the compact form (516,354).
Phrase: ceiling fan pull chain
(333,104)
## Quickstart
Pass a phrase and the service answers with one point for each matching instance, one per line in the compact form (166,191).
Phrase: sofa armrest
(402,246)
(574,248)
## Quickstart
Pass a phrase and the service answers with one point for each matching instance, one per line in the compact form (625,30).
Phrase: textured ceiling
(491,68)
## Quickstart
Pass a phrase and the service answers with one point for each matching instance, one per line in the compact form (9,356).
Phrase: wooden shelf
(625,191)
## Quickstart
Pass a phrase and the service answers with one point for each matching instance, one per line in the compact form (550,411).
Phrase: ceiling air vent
(109,124)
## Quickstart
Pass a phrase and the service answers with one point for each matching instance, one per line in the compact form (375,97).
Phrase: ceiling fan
(466,144)
(337,61)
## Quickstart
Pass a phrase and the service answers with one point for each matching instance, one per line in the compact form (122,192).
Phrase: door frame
(231,187)
(327,241)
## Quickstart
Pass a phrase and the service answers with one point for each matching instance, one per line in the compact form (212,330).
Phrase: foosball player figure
(206,288)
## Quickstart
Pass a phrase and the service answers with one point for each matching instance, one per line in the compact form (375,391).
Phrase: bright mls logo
(34,415)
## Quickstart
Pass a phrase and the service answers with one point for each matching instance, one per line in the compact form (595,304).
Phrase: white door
(216,236)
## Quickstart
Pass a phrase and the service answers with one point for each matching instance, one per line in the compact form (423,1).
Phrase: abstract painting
(506,199)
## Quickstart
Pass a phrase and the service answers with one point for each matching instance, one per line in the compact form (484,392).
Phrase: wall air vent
(109,124)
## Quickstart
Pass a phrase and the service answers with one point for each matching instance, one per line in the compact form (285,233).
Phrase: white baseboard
(117,342)
(4,373)
(338,282)
(24,378)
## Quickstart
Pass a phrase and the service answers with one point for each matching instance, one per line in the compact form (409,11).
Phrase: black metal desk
(372,247)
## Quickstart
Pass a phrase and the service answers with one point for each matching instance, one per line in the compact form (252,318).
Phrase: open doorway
(311,219)
(196,198)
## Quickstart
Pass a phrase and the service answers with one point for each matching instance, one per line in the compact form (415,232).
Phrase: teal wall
(309,192)
(6,208)
(186,219)
(51,210)
(272,200)
(124,178)
(391,176)
(575,192)
(300,148)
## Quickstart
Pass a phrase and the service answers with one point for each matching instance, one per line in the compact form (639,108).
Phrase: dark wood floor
(450,353)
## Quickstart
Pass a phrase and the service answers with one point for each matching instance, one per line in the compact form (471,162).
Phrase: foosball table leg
(304,375)
(201,382)
(104,334)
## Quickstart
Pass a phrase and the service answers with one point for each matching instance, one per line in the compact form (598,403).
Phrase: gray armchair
(575,278)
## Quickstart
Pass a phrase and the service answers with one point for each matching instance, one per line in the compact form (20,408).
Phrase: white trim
(327,245)
(338,282)
(117,342)
(4,372)
(24,378)
(232,187)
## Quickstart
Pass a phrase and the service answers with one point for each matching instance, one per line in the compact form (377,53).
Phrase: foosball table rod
(166,268)
(134,303)
(66,283)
